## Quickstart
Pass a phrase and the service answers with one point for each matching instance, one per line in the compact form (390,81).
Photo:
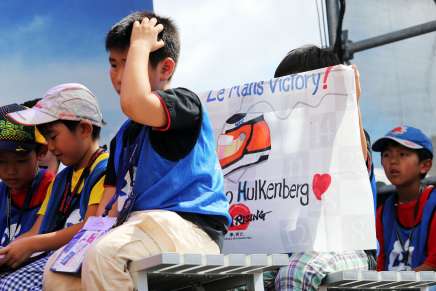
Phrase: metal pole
(332,9)
(391,37)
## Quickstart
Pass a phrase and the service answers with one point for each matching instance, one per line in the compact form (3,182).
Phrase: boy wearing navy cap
(406,228)
(22,185)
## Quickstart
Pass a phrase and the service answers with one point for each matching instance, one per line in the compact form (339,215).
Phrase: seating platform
(172,271)
(386,280)
(183,272)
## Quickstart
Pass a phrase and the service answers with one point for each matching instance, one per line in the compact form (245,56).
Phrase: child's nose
(50,145)
(119,75)
(11,170)
(394,159)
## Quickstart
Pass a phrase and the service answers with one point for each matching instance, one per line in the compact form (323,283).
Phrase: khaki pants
(144,234)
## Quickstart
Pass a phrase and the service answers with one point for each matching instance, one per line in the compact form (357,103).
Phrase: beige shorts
(144,234)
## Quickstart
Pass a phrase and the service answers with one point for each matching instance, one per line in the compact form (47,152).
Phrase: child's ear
(166,68)
(41,151)
(85,128)
(425,166)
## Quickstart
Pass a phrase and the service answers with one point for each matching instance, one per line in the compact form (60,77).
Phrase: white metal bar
(142,281)
(255,282)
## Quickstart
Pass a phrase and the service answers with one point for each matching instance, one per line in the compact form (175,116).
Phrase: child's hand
(357,81)
(2,259)
(17,252)
(146,33)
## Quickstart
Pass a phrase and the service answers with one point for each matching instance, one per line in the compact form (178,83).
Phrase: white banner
(294,170)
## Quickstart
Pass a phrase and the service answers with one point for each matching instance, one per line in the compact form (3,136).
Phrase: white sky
(230,42)
(224,43)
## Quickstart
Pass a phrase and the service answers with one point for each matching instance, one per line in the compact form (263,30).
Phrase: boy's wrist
(31,246)
(143,46)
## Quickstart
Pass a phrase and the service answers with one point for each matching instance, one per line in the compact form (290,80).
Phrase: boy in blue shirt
(163,181)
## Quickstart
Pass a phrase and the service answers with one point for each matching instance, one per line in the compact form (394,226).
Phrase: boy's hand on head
(17,252)
(146,33)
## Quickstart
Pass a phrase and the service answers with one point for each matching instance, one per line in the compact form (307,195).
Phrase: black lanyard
(128,204)
(131,154)
(30,192)
(69,198)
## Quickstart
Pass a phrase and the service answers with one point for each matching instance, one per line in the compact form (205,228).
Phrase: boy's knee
(53,281)
(57,281)
(92,254)
(104,245)
(97,253)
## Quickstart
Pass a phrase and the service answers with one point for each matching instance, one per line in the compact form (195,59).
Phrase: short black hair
(306,58)
(118,38)
(31,103)
(423,155)
(71,125)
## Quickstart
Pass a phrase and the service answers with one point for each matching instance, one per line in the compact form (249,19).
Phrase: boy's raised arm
(137,100)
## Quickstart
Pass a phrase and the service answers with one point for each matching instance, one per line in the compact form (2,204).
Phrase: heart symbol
(320,184)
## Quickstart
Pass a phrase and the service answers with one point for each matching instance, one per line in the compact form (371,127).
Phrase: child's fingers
(7,260)
(153,21)
(145,20)
(15,264)
(18,260)
(136,24)
(159,27)
(3,251)
(160,44)
(2,259)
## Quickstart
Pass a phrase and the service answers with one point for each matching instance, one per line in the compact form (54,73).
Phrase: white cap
(71,101)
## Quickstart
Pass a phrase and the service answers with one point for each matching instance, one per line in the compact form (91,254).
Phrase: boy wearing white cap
(70,119)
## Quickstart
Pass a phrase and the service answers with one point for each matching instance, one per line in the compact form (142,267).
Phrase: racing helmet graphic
(245,141)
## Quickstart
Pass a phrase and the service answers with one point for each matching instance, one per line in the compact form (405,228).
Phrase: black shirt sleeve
(184,123)
(173,143)
(111,179)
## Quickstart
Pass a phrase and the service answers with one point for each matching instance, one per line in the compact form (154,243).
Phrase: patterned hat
(17,137)
(70,101)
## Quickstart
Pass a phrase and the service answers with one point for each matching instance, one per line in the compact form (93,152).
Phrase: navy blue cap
(407,136)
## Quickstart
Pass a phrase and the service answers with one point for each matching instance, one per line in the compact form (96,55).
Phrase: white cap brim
(31,116)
